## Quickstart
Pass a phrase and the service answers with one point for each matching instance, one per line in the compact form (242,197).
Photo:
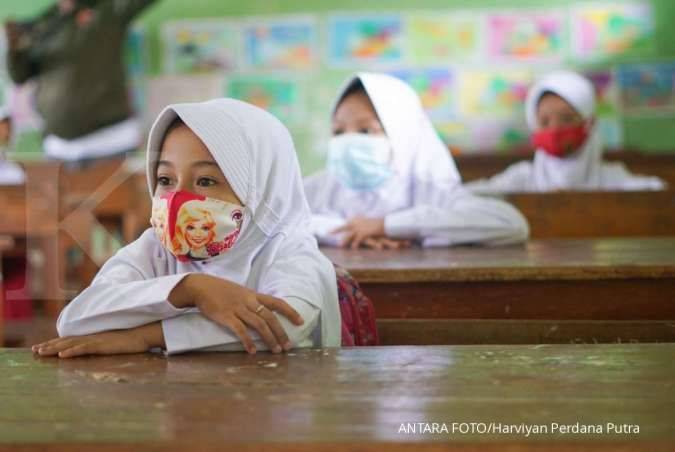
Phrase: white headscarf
(276,252)
(424,171)
(583,169)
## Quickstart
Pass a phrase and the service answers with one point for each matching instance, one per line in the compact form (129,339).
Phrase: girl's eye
(205,182)
(338,132)
(365,130)
(163,181)
(205,228)
(190,228)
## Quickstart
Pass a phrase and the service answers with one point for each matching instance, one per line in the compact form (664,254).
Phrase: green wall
(655,134)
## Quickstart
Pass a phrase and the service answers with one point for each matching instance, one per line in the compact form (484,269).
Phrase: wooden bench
(358,399)
(547,291)
(597,214)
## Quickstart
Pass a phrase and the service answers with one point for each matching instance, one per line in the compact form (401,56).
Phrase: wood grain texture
(600,284)
(537,260)
(339,399)
(597,214)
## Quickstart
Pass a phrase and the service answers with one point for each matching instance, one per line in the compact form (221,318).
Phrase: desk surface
(321,398)
(537,260)
(597,214)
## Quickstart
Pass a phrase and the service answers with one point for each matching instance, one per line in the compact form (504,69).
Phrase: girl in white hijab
(262,284)
(390,179)
(560,111)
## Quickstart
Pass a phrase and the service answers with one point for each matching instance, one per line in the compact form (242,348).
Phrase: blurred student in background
(390,181)
(74,50)
(560,112)
(10,172)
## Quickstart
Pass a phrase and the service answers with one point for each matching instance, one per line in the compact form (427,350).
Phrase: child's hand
(384,243)
(361,231)
(236,307)
(135,340)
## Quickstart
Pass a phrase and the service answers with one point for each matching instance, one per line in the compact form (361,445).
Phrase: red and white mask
(194,227)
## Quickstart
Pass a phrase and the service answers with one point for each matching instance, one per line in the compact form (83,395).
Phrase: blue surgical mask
(359,161)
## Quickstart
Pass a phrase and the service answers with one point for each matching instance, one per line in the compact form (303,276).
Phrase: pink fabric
(18,304)
(359,327)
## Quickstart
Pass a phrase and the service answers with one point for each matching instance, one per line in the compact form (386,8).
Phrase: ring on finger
(259,308)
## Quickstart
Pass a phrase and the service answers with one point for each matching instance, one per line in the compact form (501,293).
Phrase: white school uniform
(424,199)
(11,173)
(275,253)
(583,170)
(108,141)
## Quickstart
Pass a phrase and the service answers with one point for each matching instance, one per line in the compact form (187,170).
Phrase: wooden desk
(340,399)
(6,243)
(610,290)
(57,210)
(108,194)
(31,216)
(480,166)
(597,214)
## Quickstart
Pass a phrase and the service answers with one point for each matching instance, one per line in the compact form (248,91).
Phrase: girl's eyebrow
(205,163)
(199,163)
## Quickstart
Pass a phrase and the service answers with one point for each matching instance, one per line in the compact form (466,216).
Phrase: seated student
(560,111)
(263,283)
(390,180)
(10,172)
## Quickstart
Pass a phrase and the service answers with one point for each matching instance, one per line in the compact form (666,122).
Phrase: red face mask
(562,141)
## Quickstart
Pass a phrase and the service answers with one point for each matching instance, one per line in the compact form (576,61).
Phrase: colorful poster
(279,96)
(526,36)
(436,88)
(494,93)
(605,91)
(494,134)
(199,46)
(610,29)
(484,135)
(281,45)
(443,38)
(455,134)
(354,40)
(647,87)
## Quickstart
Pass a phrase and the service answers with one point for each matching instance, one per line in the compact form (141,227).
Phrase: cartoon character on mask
(194,227)
(159,220)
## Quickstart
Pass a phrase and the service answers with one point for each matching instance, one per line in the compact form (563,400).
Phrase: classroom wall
(650,131)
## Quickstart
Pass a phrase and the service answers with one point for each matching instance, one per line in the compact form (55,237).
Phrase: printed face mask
(560,142)
(360,161)
(194,227)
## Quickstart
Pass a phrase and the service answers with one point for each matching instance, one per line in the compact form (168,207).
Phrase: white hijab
(424,171)
(275,252)
(583,169)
